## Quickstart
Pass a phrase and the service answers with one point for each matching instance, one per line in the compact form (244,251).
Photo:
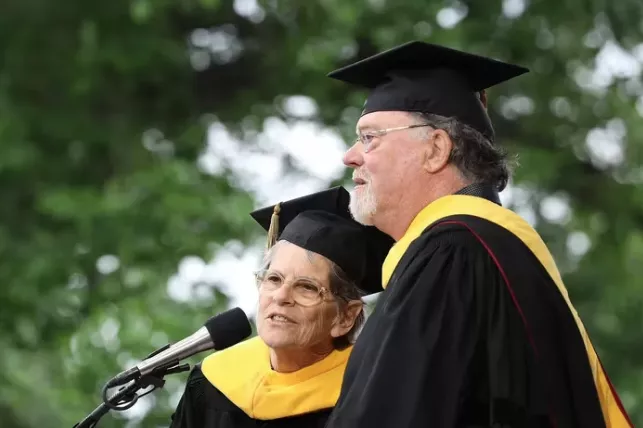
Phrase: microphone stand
(127,394)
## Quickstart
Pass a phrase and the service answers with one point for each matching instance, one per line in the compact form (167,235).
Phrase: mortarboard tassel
(483,98)
(273,231)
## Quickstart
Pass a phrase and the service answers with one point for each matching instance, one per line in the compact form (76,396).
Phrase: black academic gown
(237,388)
(204,406)
(474,329)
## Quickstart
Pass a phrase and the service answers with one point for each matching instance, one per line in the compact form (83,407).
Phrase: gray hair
(343,289)
(477,158)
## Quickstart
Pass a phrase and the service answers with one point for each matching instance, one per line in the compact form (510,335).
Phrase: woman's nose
(283,294)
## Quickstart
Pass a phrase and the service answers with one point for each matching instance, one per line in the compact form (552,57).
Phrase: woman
(313,275)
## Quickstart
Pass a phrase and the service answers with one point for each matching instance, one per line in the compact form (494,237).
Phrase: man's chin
(362,220)
(361,206)
(362,216)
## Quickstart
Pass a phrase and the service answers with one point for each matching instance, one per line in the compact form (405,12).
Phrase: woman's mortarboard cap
(321,222)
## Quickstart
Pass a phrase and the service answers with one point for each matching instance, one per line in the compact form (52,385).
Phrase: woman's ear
(437,152)
(346,319)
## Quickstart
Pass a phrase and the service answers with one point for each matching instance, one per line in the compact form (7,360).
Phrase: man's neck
(396,222)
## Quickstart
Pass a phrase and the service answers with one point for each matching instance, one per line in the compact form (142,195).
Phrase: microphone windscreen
(228,328)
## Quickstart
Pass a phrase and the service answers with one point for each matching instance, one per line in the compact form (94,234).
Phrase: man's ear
(346,319)
(437,152)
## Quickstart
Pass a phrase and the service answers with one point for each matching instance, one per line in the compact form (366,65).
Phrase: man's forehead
(380,119)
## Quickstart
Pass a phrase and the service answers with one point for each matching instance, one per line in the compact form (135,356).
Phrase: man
(475,327)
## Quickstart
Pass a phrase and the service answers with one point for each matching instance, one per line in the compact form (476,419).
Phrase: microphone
(219,332)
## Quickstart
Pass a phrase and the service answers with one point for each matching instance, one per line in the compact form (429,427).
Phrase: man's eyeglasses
(366,138)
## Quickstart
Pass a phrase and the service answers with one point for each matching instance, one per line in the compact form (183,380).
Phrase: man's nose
(354,156)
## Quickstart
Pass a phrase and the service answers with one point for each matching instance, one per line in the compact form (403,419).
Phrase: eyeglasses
(304,292)
(366,138)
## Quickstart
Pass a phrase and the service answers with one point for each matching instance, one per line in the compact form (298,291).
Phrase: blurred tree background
(104,115)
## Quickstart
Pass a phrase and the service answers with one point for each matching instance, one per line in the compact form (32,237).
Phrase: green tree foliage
(104,108)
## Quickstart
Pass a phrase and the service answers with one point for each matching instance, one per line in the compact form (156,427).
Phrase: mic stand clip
(127,396)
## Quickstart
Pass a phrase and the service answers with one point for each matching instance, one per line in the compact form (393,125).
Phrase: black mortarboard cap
(321,222)
(422,77)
